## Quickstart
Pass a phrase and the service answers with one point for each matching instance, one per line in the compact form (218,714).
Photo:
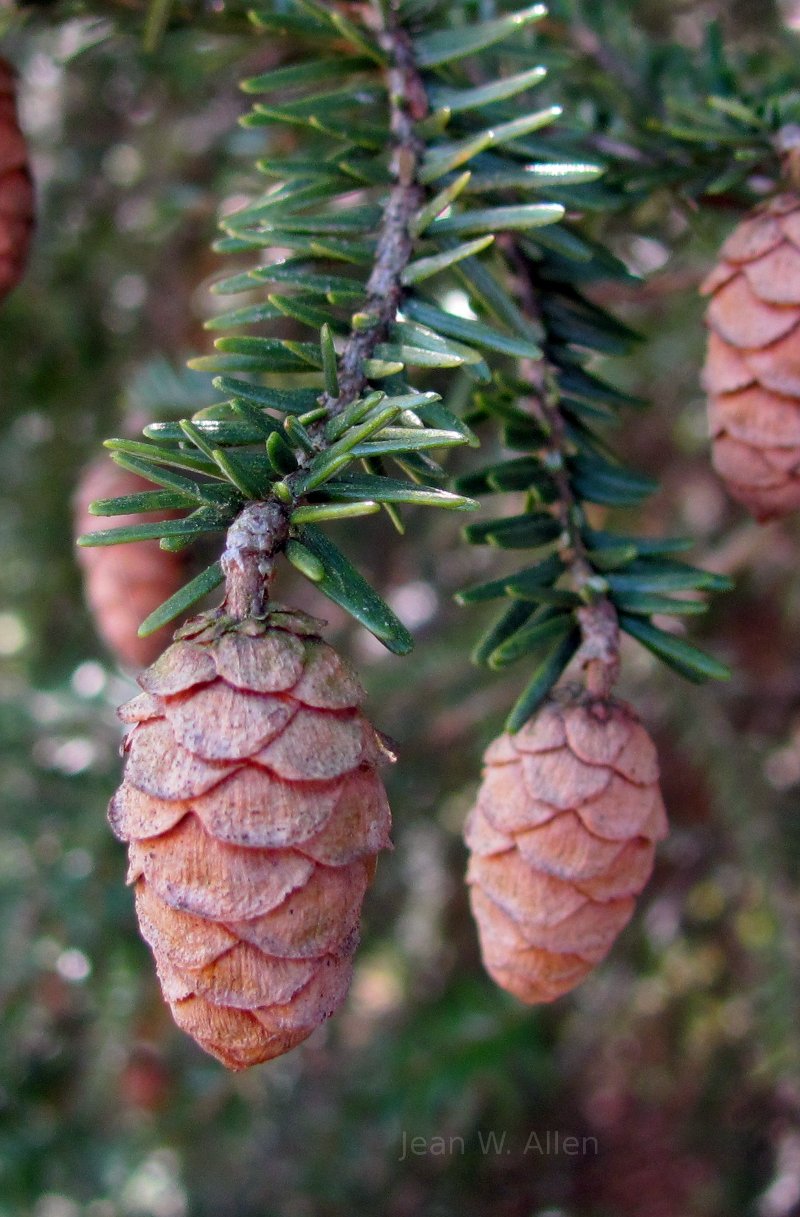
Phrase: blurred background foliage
(679,1061)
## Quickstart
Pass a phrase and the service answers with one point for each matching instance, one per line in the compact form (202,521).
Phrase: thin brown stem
(408,104)
(599,650)
(254,538)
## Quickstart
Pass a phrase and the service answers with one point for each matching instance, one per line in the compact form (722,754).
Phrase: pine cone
(123,584)
(254,812)
(16,188)
(562,841)
(752,369)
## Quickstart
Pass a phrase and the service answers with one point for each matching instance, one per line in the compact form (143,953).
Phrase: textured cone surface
(16,188)
(752,369)
(123,584)
(561,842)
(254,811)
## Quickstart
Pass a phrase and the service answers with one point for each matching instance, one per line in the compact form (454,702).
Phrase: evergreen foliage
(422,208)
(103,1112)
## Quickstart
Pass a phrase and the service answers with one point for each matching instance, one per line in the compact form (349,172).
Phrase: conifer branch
(276,458)
(451,208)
(262,529)
(407,104)
(598,653)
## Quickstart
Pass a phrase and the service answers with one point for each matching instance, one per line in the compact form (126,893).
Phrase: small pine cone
(16,187)
(752,369)
(123,584)
(254,811)
(562,841)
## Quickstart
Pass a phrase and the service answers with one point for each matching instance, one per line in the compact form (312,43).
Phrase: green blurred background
(676,1066)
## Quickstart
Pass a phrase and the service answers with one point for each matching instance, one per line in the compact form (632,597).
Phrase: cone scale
(561,841)
(752,368)
(254,811)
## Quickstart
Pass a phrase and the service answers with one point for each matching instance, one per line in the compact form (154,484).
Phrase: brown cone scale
(752,368)
(123,584)
(561,842)
(16,188)
(254,812)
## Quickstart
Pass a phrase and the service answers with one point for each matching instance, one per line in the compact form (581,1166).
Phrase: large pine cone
(562,841)
(123,584)
(254,811)
(16,187)
(752,370)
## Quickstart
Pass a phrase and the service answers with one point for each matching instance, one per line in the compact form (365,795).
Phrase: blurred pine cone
(254,811)
(562,841)
(16,187)
(123,584)
(752,369)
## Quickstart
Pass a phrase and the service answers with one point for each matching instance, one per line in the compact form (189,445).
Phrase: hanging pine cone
(752,369)
(16,187)
(123,584)
(562,841)
(254,811)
